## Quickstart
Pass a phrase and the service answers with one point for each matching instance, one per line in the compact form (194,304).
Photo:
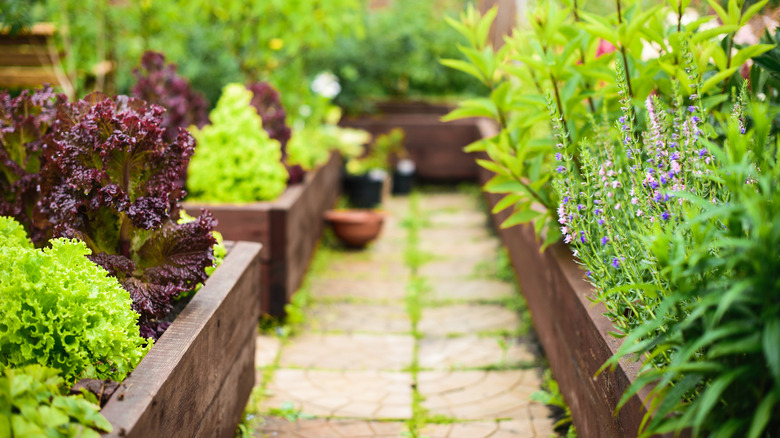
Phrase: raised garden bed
(436,147)
(571,329)
(288,228)
(196,380)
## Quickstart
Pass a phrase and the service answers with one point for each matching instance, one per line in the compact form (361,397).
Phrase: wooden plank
(27,76)
(25,55)
(171,390)
(227,408)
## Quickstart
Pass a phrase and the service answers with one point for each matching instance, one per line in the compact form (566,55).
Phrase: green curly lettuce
(235,160)
(31,406)
(59,309)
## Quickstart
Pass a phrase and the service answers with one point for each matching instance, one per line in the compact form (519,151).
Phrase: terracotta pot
(355,228)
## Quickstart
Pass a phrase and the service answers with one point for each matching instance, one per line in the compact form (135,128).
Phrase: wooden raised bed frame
(436,147)
(196,380)
(571,328)
(289,229)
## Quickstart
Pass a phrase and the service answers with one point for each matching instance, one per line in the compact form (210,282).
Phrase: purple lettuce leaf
(158,83)
(25,123)
(266,101)
(112,180)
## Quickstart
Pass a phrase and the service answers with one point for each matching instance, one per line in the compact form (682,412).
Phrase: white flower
(326,84)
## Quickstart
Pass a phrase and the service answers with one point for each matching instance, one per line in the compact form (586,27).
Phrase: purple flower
(658,197)
(691,108)
(601,221)
(675,156)
(604,240)
(615,263)
(665,215)
(580,207)
(627,140)
(622,119)
(588,273)
(703,152)
(558,156)
(565,199)
(582,237)
(654,184)
(597,211)
(561,169)
(696,119)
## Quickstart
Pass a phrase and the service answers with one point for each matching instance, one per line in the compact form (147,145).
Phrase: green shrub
(31,406)
(235,160)
(61,310)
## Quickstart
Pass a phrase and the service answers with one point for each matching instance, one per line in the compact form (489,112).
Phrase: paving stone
(466,319)
(503,429)
(447,201)
(446,236)
(460,267)
(346,317)
(266,348)
(368,289)
(458,219)
(470,289)
(470,352)
(365,269)
(476,395)
(457,249)
(325,428)
(366,394)
(353,352)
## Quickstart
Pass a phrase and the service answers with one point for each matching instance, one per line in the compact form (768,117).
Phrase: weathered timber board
(173,390)
(571,329)
(436,147)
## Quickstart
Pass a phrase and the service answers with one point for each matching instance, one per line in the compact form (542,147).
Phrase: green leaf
(649,288)
(771,341)
(520,217)
(724,17)
(465,67)
(751,11)
(505,202)
(762,415)
(491,166)
(718,78)
(750,52)
(483,28)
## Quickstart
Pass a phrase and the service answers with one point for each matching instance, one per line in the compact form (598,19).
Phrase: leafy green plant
(550,395)
(379,153)
(719,323)
(31,405)
(99,170)
(566,57)
(396,56)
(61,310)
(235,160)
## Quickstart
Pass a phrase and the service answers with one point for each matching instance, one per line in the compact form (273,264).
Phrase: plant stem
(623,53)
(582,59)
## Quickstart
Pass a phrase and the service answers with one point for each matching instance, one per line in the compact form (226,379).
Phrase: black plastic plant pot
(402,183)
(364,191)
(403,177)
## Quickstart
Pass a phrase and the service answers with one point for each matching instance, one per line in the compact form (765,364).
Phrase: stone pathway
(411,337)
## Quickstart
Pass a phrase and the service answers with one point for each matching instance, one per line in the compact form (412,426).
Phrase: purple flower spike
(565,199)
(703,152)
(615,263)
(582,237)
(604,240)
(665,215)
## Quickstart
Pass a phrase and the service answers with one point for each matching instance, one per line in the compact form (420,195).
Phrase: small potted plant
(368,177)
